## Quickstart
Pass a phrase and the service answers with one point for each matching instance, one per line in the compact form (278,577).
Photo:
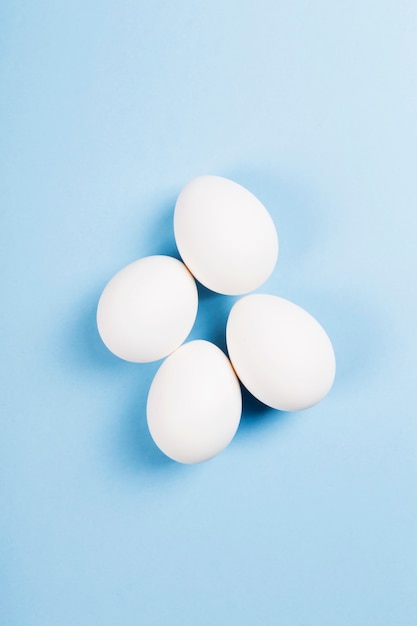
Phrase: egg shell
(194,403)
(225,235)
(281,353)
(147,309)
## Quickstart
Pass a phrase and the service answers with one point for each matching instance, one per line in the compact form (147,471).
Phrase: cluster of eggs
(279,352)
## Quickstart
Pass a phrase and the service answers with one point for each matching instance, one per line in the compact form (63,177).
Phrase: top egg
(225,235)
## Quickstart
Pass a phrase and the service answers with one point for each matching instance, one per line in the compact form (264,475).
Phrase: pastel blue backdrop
(107,109)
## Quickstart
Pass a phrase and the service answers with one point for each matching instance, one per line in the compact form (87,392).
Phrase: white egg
(147,309)
(194,404)
(281,354)
(225,235)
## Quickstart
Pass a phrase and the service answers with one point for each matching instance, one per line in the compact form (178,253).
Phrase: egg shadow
(83,354)
(157,236)
(134,450)
(257,416)
(127,442)
(213,311)
(83,350)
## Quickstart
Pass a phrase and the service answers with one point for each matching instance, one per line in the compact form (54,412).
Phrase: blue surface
(107,110)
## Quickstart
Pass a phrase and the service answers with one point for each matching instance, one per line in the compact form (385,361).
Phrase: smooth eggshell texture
(194,404)
(281,354)
(225,235)
(147,309)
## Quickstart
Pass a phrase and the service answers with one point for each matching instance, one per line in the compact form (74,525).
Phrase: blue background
(107,109)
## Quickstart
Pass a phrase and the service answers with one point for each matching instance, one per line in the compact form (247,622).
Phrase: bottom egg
(194,403)
(281,354)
